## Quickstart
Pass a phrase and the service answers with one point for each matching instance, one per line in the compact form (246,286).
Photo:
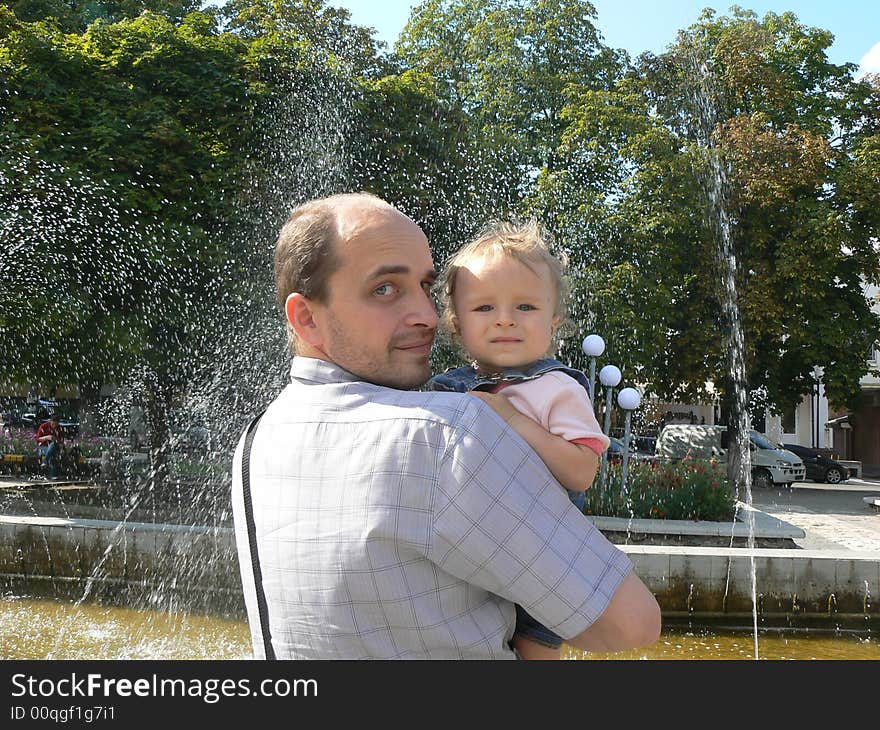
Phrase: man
(50,438)
(391,523)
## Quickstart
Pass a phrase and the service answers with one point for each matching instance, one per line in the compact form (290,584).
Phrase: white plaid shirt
(404,525)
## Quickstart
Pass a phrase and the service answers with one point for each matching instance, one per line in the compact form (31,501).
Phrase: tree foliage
(794,132)
(508,64)
(151,150)
(118,143)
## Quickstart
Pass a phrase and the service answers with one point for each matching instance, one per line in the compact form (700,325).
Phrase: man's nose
(423,313)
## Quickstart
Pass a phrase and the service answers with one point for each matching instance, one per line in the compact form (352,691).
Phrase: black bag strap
(252,535)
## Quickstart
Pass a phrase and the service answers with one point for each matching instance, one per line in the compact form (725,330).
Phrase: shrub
(185,467)
(683,490)
(18,441)
(95,446)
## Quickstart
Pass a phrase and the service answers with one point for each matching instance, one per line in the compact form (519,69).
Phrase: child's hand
(499,403)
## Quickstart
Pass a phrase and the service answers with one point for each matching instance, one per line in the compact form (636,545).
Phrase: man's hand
(498,402)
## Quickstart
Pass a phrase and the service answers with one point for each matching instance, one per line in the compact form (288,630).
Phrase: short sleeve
(561,405)
(500,521)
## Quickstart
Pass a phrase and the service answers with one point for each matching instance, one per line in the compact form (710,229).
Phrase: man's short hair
(305,252)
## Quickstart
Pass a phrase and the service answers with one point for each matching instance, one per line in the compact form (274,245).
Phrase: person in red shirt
(49,439)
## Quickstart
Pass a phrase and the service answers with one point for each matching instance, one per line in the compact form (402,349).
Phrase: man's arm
(575,579)
(631,620)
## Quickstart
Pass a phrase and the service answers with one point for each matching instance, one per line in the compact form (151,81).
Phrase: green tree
(508,64)
(796,137)
(119,145)
(77,15)
(308,26)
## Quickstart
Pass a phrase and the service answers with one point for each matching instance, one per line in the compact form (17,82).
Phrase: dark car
(615,453)
(10,418)
(645,444)
(819,468)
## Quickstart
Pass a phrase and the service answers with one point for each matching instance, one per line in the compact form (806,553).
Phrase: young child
(504,300)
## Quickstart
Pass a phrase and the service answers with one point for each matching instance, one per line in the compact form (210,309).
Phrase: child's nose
(505,317)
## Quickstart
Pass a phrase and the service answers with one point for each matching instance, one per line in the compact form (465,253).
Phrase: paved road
(834,517)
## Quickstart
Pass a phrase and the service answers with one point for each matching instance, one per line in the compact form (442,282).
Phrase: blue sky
(650,25)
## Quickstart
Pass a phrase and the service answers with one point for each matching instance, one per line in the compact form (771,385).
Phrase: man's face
(379,321)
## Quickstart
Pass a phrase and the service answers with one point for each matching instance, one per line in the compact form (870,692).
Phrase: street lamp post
(628,399)
(609,376)
(818,372)
(812,417)
(593,346)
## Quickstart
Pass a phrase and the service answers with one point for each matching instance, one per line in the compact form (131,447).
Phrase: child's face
(504,311)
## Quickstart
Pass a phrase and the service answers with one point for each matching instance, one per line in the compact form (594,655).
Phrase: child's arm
(573,465)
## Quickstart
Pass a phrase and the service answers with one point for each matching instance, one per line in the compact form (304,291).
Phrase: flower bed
(19,453)
(94,446)
(684,490)
(18,441)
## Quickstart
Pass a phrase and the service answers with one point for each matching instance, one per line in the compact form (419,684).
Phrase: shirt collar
(314,370)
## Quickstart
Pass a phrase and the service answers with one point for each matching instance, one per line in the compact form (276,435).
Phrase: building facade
(852,434)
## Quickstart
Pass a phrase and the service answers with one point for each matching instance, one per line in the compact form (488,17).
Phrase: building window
(788,419)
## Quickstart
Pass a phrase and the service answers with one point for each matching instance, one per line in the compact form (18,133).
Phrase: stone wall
(175,566)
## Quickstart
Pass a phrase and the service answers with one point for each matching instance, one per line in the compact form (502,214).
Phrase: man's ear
(300,311)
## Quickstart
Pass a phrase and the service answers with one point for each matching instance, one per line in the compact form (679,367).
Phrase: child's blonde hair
(528,243)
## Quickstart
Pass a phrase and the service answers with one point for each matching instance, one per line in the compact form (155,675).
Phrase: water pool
(47,629)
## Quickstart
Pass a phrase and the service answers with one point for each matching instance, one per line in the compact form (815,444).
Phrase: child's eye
(526,307)
(384,290)
(484,308)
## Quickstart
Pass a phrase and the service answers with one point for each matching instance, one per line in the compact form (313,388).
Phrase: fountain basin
(141,564)
(794,587)
(195,567)
(769,532)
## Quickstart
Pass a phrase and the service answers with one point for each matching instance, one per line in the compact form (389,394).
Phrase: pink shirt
(561,405)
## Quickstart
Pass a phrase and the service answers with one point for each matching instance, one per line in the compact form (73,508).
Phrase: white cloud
(870,62)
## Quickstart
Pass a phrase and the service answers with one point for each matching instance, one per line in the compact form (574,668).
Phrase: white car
(770,464)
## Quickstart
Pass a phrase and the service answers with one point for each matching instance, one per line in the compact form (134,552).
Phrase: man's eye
(483,308)
(384,290)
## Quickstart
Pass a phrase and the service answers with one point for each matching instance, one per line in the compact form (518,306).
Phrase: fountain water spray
(713,175)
